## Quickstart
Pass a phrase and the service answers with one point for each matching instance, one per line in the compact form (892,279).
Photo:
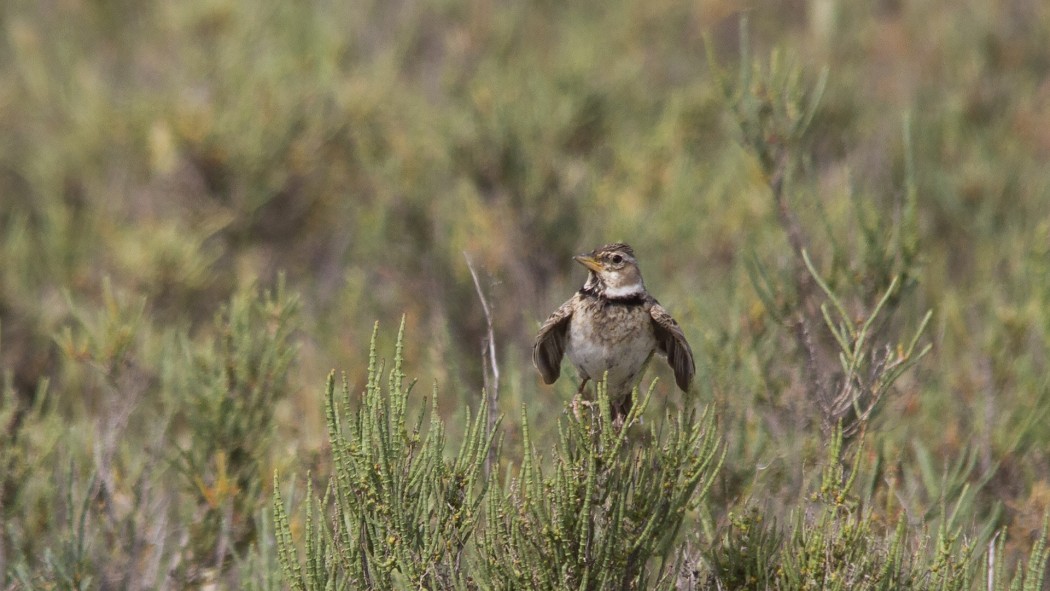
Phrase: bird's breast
(614,339)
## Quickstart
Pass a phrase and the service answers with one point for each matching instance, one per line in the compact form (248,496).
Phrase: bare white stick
(490,368)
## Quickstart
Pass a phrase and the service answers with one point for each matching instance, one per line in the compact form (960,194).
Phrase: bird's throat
(624,291)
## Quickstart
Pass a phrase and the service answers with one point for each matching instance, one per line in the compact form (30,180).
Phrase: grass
(164,166)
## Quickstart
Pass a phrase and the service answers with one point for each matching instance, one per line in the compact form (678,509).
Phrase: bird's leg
(620,410)
(623,407)
(577,400)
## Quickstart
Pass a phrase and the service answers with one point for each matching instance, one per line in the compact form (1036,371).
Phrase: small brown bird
(612,325)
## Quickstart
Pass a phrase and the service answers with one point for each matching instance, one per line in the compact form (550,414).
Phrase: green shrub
(398,514)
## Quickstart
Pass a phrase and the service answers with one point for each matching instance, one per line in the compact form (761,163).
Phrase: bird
(610,329)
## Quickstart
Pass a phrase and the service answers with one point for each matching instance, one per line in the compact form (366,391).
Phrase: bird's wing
(670,340)
(550,343)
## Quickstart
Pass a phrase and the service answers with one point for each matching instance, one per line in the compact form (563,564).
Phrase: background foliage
(161,164)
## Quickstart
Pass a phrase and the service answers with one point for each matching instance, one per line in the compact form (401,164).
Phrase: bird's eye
(617,259)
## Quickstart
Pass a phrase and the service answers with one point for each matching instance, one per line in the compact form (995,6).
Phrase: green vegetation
(205,206)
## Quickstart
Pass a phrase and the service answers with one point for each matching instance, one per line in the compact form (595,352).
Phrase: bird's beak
(589,262)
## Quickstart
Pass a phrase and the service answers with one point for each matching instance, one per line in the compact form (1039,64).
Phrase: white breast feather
(594,359)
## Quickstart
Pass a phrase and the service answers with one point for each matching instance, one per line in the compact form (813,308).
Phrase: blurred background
(159,158)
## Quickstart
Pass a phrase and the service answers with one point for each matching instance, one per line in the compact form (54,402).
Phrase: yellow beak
(588,262)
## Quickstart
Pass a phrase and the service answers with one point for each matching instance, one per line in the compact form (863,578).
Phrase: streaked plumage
(612,325)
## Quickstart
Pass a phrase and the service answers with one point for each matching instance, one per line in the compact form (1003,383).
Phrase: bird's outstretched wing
(550,343)
(670,340)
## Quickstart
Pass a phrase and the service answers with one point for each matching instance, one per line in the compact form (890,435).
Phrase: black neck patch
(636,299)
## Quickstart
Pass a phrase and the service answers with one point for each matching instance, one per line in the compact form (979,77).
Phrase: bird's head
(613,270)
